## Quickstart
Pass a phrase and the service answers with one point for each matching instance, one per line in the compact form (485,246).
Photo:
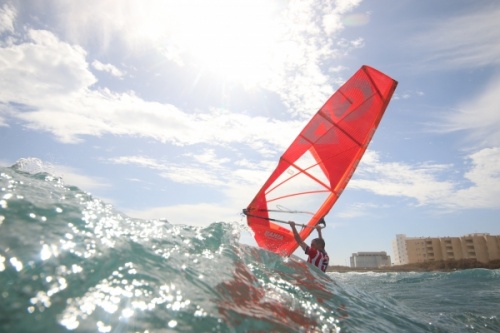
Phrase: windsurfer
(316,252)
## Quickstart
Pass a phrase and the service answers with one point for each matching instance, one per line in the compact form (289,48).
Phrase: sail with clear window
(315,169)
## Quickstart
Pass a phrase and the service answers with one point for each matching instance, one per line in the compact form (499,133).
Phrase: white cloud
(479,116)
(407,94)
(276,45)
(3,122)
(428,185)
(109,68)
(42,68)
(59,69)
(59,97)
(138,160)
(74,177)
(102,112)
(483,176)
(206,168)
(355,210)
(466,41)
(400,180)
(237,187)
(7,17)
(195,214)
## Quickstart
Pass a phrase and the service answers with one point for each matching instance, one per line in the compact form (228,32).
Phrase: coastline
(431,266)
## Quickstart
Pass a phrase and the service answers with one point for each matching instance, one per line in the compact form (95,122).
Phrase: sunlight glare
(234,40)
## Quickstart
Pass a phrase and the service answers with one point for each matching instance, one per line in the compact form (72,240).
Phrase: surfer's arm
(297,236)
(318,228)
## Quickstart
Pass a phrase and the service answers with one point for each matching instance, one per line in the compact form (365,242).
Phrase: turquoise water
(70,262)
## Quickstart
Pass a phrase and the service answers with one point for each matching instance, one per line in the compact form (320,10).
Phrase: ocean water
(69,262)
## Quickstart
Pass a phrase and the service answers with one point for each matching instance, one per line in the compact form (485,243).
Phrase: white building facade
(370,260)
(399,250)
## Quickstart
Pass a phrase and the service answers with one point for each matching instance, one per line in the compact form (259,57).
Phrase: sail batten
(317,166)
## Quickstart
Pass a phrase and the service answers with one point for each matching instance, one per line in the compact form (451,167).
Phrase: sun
(236,40)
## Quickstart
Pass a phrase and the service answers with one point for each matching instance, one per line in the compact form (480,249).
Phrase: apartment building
(481,246)
(370,259)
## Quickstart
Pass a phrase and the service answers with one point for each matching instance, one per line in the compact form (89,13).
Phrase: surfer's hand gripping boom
(320,222)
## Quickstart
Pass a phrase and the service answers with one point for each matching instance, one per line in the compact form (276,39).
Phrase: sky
(180,109)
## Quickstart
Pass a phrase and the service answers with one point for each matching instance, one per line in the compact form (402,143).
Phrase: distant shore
(431,266)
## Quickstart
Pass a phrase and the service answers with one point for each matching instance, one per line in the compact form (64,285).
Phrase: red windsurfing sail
(315,169)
